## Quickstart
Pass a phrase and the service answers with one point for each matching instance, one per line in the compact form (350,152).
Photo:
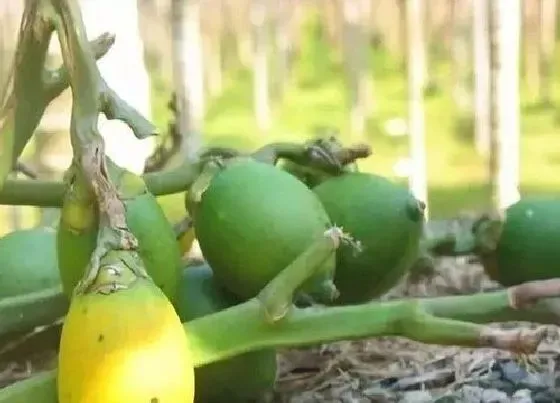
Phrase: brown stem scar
(355,152)
(527,294)
(110,205)
(521,341)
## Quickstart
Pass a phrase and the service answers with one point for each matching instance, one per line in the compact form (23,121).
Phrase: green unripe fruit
(28,261)
(527,248)
(385,218)
(252,221)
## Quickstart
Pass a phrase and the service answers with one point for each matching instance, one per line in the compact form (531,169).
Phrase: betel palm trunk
(481,76)
(188,73)
(416,84)
(504,98)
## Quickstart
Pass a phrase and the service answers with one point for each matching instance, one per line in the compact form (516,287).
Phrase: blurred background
(458,98)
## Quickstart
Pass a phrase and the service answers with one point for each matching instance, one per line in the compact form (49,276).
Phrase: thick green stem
(436,320)
(170,181)
(536,302)
(277,296)
(51,193)
(440,320)
(30,310)
(24,192)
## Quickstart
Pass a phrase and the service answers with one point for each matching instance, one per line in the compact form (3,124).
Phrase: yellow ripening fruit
(124,343)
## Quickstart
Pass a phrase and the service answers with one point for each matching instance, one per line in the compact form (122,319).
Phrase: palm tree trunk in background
(415,65)
(532,48)
(403,30)
(461,56)
(388,18)
(505,56)
(230,53)
(282,44)
(428,25)
(356,51)
(261,90)
(331,12)
(156,35)
(213,47)
(547,42)
(481,76)
(368,31)
(124,70)
(242,14)
(188,73)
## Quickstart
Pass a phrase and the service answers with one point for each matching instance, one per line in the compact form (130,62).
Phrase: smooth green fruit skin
(28,261)
(253,221)
(384,217)
(239,379)
(74,252)
(158,246)
(529,245)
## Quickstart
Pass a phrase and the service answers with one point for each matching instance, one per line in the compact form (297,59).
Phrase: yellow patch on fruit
(123,344)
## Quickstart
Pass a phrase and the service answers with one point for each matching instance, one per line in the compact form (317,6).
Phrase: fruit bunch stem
(452,320)
(439,320)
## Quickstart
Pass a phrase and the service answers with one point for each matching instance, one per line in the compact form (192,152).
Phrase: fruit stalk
(312,152)
(535,302)
(431,320)
(439,320)
(277,296)
(41,193)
